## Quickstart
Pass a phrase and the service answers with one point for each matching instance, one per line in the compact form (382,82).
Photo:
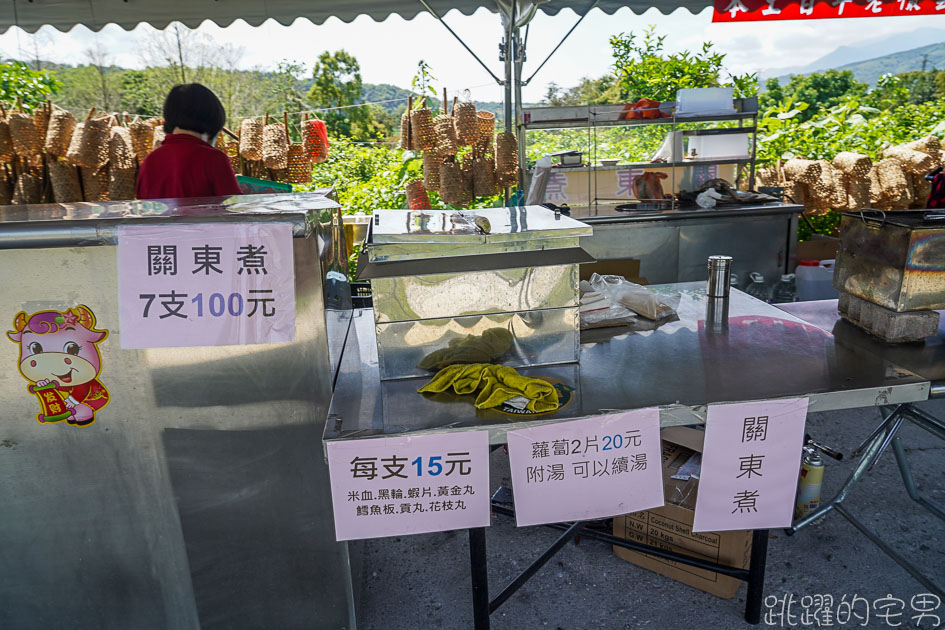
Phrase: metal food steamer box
(497,285)
(895,259)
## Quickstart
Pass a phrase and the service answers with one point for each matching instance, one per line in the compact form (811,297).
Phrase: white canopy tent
(30,15)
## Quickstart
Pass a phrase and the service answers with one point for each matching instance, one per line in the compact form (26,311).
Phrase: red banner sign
(759,10)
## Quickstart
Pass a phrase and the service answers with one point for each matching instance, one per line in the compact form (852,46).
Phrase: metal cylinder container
(719,276)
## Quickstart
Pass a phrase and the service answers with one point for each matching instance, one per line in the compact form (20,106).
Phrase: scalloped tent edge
(64,15)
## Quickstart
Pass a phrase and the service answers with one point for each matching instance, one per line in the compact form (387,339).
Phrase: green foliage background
(814,116)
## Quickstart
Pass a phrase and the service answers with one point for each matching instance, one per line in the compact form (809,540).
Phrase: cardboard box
(626,267)
(818,248)
(670,527)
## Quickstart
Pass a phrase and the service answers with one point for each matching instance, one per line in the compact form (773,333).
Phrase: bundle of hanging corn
(506,159)
(855,169)
(443,125)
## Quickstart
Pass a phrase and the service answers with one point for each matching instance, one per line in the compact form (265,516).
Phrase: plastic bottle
(815,280)
(784,290)
(756,288)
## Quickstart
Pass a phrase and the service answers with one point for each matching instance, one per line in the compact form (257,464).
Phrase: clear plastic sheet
(625,304)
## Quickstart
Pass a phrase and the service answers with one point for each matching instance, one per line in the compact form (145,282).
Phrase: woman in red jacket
(187,164)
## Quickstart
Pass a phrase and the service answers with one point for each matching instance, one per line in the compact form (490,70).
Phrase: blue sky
(388,51)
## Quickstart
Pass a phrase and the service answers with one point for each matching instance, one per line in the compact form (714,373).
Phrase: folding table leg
(756,576)
(871,449)
(909,483)
(479,572)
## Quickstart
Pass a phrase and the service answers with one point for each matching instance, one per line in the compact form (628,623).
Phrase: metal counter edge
(66,233)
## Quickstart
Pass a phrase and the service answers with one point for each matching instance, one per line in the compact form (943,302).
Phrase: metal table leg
(909,483)
(871,449)
(756,576)
(479,572)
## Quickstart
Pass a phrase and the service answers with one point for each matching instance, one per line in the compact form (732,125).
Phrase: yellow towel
(493,343)
(495,384)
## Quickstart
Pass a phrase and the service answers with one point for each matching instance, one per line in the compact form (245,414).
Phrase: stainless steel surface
(675,248)
(892,259)
(716,315)
(455,295)
(607,115)
(473,261)
(441,279)
(927,359)
(680,367)
(516,224)
(719,276)
(442,252)
(83,224)
(194,499)
(538,338)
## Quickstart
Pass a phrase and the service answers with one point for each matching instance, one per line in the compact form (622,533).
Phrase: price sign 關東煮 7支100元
(209,284)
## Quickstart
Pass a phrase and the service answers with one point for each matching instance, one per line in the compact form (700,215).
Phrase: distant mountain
(870,71)
(866,50)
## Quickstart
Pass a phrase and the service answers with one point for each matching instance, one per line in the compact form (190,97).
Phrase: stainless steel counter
(673,245)
(193,500)
(680,367)
(722,212)
(926,358)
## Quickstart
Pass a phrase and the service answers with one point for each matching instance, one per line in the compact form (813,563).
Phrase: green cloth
(495,384)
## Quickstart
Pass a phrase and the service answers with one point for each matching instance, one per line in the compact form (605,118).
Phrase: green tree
(644,70)
(283,87)
(137,93)
(422,84)
(587,92)
(18,81)
(337,84)
(820,90)
(921,85)
(890,92)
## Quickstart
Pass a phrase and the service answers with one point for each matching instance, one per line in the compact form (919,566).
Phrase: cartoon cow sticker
(59,356)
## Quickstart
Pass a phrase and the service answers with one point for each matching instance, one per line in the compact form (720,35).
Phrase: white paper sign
(409,485)
(205,284)
(750,465)
(587,469)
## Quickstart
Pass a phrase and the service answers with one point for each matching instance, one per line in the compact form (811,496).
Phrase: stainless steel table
(672,245)
(926,359)
(761,353)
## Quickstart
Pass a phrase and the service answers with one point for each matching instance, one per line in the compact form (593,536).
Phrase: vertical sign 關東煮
(750,464)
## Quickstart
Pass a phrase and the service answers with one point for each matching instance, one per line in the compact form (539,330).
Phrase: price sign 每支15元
(409,485)
(206,284)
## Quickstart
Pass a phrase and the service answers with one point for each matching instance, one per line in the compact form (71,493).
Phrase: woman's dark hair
(193,107)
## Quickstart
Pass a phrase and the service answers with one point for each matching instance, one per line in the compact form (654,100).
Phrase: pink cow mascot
(59,356)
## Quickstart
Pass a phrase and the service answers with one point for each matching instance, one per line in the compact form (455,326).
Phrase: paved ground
(421,582)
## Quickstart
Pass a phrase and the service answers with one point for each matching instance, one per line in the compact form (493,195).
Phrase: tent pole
(508,50)
(460,40)
(518,50)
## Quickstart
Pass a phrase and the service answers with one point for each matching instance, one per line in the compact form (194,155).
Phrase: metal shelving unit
(594,117)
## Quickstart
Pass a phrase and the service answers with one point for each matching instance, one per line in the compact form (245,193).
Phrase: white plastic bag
(634,297)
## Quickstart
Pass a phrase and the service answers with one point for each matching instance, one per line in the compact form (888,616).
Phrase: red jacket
(185,166)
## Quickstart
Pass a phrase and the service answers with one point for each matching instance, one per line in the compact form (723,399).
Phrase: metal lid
(911,219)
